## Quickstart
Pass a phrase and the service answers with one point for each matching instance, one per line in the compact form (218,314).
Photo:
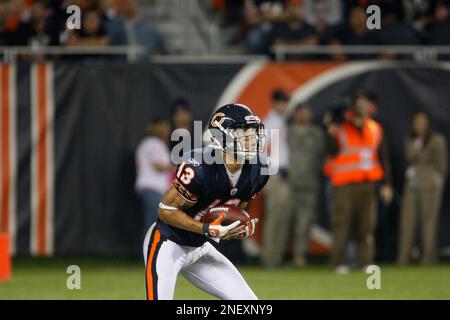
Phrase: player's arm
(183,194)
(171,211)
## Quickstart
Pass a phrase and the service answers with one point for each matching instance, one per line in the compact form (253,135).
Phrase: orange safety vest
(357,160)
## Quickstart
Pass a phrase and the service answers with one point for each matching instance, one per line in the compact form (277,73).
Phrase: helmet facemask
(243,141)
(249,140)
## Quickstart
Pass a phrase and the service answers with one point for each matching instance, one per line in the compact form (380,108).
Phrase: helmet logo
(216,123)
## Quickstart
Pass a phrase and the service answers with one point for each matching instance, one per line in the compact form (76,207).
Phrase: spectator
(10,15)
(426,154)
(323,14)
(395,30)
(92,32)
(138,32)
(358,164)
(307,152)
(419,13)
(182,119)
(182,114)
(36,27)
(108,8)
(438,32)
(231,10)
(113,24)
(355,32)
(261,16)
(277,197)
(384,241)
(373,99)
(295,30)
(153,165)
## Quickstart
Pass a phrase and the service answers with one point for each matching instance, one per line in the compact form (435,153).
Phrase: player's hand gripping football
(216,230)
(242,232)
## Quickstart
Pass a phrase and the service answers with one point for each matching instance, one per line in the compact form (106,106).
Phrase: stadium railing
(279,53)
(11,54)
(419,53)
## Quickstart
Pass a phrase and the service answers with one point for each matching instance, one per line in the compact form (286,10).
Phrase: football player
(179,242)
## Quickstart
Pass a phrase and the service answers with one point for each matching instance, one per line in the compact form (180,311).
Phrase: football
(232,213)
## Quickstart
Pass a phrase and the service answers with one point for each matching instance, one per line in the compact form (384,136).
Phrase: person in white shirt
(153,167)
(277,201)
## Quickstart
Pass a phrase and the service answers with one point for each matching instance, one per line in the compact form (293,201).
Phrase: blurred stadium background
(75,105)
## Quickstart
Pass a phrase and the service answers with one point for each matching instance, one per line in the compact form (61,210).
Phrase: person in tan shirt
(426,154)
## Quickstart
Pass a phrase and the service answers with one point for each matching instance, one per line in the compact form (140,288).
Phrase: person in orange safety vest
(357,161)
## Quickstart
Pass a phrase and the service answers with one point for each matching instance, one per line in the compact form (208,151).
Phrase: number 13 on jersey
(185,174)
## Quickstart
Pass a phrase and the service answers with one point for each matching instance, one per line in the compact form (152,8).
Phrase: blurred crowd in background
(337,22)
(257,24)
(103,23)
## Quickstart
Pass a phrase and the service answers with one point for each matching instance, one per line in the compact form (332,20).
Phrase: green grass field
(124,279)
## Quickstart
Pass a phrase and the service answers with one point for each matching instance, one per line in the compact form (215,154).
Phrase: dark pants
(354,212)
(150,200)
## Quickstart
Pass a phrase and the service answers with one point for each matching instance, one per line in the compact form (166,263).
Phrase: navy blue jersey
(207,186)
